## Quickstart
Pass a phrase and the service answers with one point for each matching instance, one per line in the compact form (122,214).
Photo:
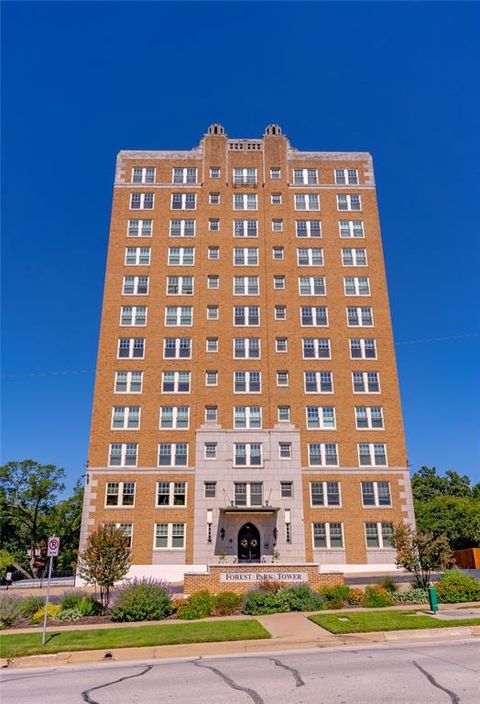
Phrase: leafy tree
(28,491)
(421,553)
(105,559)
(64,521)
(456,517)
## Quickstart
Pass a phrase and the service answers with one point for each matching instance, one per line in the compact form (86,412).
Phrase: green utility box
(433,599)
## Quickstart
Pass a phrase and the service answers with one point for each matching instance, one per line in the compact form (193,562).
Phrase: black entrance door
(248,544)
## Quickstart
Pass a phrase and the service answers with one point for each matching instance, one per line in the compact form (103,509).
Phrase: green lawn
(12,645)
(362,622)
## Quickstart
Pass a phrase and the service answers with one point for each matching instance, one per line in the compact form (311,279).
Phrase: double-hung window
(244,176)
(128,382)
(140,228)
(307,201)
(327,535)
(175,382)
(181,256)
(211,377)
(246,316)
(277,225)
(133,316)
(283,414)
(310,256)
(246,348)
(316,316)
(248,493)
(123,454)
(173,454)
(304,177)
(245,201)
(125,418)
(351,228)
(372,454)
(169,536)
(179,285)
(360,317)
(214,225)
(308,228)
(285,453)
(366,382)
(174,417)
(142,201)
(184,175)
(213,281)
(143,174)
(349,202)
(210,451)
(316,348)
(376,494)
(318,382)
(245,256)
(311,285)
(363,348)
(247,382)
(177,348)
(178,316)
(369,418)
(322,454)
(246,285)
(320,418)
(354,257)
(279,282)
(346,177)
(356,285)
(245,228)
(120,494)
(131,348)
(281,344)
(183,201)
(171,494)
(135,285)
(247,417)
(248,454)
(379,535)
(325,493)
(182,228)
(137,256)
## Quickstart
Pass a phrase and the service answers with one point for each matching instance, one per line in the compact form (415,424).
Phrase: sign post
(53,547)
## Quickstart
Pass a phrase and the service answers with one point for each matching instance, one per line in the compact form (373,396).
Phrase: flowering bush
(52,611)
(142,600)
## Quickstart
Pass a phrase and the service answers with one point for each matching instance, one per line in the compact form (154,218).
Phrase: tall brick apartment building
(246,403)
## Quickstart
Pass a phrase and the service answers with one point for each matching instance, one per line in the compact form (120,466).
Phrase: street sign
(53,546)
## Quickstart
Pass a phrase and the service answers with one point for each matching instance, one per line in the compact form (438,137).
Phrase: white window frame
(278,254)
(369,414)
(213,282)
(214,253)
(283,410)
(280,312)
(170,536)
(215,172)
(214,224)
(307,202)
(183,175)
(362,347)
(188,201)
(350,201)
(304,229)
(250,416)
(376,494)
(245,201)
(276,199)
(248,347)
(131,347)
(244,176)
(173,454)
(176,416)
(246,317)
(140,228)
(279,282)
(248,454)
(277,225)
(138,253)
(372,456)
(185,285)
(245,228)
(365,382)
(355,257)
(213,312)
(179,312)
(245,253)
(275,173)
(185,231)
(127,413)
(123,454)
(380,536)
(315,317)
(323,454)
(146,201)
(282,378)
(310,256)
(214,198)
(211,344)
(305,177)
(128,382)
(178,347)
(248,494)
(316,348)
(209,375)
(138,316)
(316,286)
(360,285)
(120,495)
(210,454)
(318,417)
(328,537)
(325,494)
(355,229)
(361,313)
(147,174)
(184,254)
(346,177)
(171,495)
(176,381)
(249,381)
(286,453)
(281,345)
(137,280)
(244,283)
(318,382)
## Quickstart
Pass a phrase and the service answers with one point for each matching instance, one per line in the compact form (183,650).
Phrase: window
(120,494)
(177,348)
(133,316)
(327,535)
(241,176)
(131,348)
(141,201)
(247,417)
(356,285)
(277,225)
(246,348)
(285,452)
(369,418)
(247,454)
(316,348)
(311,286)
(211,377)
(247,382)
(210,450)
(246,286)
(275,174)
(283,413)
(245,256)
(366,382)
(308,228)
(282,378)
(372,454)
(128,382)
(286,490)
(214,253)
(245,228)
(376,494)
(281,344)
(181,256)
(359,317)
(278,282)
(183,201)
(175,382)
(303,177)
(173,454)
(215,172)
(280,312)
(169,536)
(211,413)
(314,316)
(320,418)
(135,285)
(354,257)
(182,228)
(177,316)
(127,531)
(214,225)
(209,490)
(363,348)
(307,201)
(349,202)
(140,228)
(351,228)
(171,494)
(143,175)
(245,201)
(346,177)
(379,535)
(213,281)
(179,285)
(325,493)
(125,417)
(137,256)
(123,455)
(278,253)
(322,454)
(174,417)
(184,175)
(212,312)
(276,198)
(310,257)
(246,315)
(212,344)
(214,198)
(248,493)
(318,382)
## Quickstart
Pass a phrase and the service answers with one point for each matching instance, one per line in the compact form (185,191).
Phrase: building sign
(264,576)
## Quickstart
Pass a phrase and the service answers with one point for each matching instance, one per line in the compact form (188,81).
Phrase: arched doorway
(248,543)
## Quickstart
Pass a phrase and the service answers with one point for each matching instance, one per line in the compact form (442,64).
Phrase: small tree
(105,559)
(421,553)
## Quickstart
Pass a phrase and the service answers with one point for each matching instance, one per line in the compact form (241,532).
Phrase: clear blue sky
(83,80)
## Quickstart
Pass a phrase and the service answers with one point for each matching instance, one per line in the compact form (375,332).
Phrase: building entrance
(248,544)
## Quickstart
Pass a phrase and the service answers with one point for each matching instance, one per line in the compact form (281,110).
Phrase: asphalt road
(410,673)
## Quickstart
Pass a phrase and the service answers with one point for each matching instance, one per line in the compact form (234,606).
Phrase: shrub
(456,586)
(52,612)
(389,585)
(70,601)
(176,603)
(336,596)
(199,605)
(141,600)
(226,603)
(377,596)
(269,585)
(10,609)
(260,601)
(30,604)
(69,615)
(300,598)
(354,597)
(88,606)
(412,596)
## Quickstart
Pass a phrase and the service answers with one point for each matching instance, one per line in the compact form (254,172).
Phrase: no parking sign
(53,546)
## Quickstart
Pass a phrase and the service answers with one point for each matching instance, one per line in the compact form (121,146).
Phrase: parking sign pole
(53,546)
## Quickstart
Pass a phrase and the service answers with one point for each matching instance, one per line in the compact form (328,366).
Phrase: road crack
(454,698)
(86,693)
(296,675)
(254,696)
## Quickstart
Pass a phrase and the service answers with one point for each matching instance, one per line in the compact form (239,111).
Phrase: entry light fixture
(222,533)
(209,516)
